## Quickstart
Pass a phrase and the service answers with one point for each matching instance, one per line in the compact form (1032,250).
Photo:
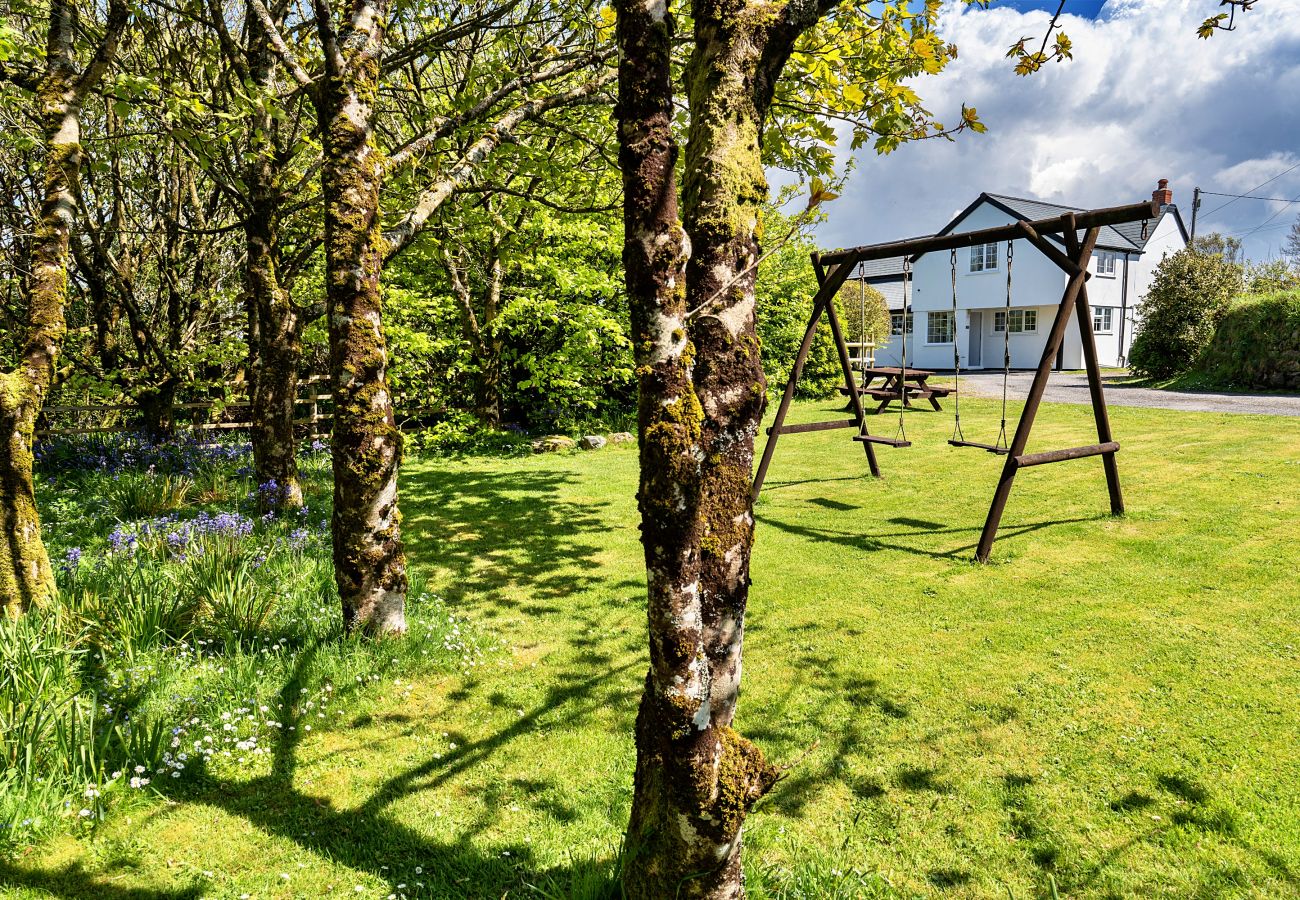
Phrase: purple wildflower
(71,560)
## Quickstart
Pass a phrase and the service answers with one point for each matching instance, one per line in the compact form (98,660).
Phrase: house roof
(888,268)
(1110,238)
(1128,237)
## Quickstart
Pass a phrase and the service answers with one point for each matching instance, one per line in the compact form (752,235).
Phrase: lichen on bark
(691,279)
(369,561)
(275,325)
(26,578)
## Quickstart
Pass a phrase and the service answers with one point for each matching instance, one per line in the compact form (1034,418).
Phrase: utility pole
(1196,205)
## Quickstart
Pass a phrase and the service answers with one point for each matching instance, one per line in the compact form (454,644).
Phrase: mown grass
(1107,710)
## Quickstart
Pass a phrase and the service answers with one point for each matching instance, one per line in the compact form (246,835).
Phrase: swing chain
(1006,349)
(901,434)
(956,353)
(862,321)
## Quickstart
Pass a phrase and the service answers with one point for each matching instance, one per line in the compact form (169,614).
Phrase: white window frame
(1018,318)
(979,259)
(1109,317)
(896,320)
(931,319)
(1107,263)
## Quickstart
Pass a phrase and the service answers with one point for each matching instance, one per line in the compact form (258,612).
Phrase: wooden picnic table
(913,383)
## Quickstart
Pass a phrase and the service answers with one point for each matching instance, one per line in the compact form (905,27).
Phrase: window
(1106,264)
(939,328)
(1023,321)
(896,323)
(1103,319)
(983,257)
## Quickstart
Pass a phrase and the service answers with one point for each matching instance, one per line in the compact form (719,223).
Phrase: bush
(1189,295)
(133,495)
(1271,277)
(784,294)
(1257,345)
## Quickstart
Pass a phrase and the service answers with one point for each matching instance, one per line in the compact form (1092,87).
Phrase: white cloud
(1143,99)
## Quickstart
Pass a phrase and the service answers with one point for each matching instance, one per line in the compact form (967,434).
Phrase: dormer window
(1106,263)
(983,257)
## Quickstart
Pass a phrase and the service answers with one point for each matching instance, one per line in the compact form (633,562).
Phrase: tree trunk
(157,404)
(26,579)
(489,399)
(482,341)
(696,778)
(275,386)
(702,394)
(370,565)
(275,340)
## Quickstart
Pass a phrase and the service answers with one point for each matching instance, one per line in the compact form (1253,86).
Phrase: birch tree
(370,565)
(691,253)
(58,93)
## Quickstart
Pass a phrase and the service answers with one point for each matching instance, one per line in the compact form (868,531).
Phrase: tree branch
(401,235)
(444,127)
(119,15)
(281,49)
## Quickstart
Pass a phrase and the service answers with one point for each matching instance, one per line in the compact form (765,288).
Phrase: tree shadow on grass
(499,531)
(72,880)
(880,540)
(370,837)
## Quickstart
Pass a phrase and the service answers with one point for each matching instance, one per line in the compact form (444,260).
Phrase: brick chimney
(1162,194)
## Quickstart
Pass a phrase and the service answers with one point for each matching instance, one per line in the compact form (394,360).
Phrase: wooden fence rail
(312,399)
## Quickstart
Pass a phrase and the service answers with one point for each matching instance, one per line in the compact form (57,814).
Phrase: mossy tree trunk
(691,276)
(480,333)
(26,579)
(369,562)
(275,335)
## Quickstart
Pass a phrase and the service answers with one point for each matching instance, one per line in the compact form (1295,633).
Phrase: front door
(975,358)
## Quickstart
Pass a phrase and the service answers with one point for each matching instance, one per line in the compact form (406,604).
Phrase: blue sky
(1143,99)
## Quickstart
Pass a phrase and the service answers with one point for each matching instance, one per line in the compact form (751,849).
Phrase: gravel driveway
(1072,387)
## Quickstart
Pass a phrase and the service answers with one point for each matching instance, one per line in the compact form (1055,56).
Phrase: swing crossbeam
(805,427)
(1025,460)
(1078,233)
(913,247)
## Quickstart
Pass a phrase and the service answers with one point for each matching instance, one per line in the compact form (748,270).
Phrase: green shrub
(1271,277)
(1189,294)
(137,495)
(1257,344)
(784,294)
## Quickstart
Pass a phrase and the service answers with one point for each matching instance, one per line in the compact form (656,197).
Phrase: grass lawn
(1111,707)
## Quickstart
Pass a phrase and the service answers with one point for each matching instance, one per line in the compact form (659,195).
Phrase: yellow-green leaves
(818,193)
(855,72)
(1028,63)
(1211,25)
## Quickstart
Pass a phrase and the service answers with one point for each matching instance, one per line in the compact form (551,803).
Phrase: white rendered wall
(1036,283)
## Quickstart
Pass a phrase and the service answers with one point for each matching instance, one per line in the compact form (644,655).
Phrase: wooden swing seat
(875,439)
(1001,451)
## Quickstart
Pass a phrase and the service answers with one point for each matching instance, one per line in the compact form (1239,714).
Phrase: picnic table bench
(914,385)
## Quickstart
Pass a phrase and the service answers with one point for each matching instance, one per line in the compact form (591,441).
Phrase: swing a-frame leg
(1074,300)
(829,284)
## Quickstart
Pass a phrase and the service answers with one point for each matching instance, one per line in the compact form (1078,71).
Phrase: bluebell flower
(71,560)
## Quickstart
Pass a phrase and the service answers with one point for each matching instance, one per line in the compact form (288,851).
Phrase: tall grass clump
(195,627)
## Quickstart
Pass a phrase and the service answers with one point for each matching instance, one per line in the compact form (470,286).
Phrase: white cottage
(1121,267)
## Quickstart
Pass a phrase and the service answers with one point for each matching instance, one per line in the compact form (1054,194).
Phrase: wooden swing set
(833,270)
